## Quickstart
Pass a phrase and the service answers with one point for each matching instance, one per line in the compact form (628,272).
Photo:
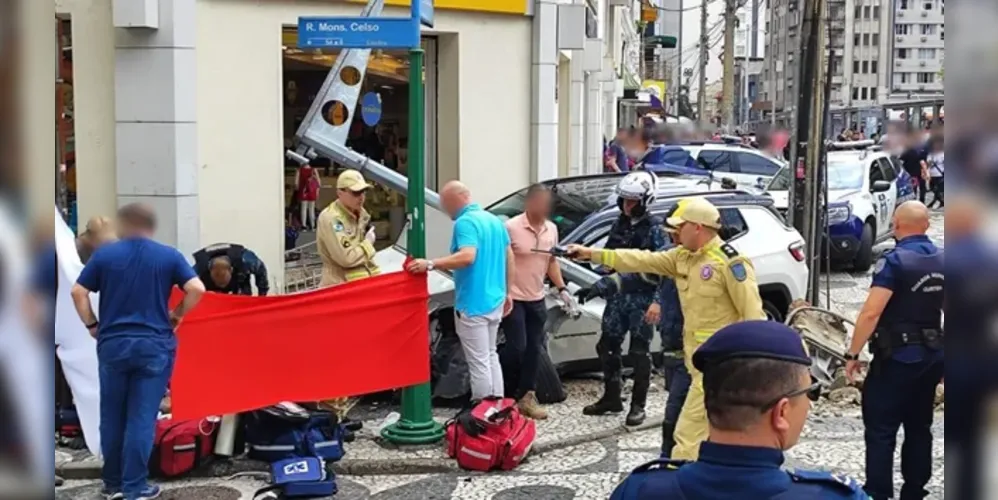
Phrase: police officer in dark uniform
(757,384)
(227,268)
(633,304)
(902,320)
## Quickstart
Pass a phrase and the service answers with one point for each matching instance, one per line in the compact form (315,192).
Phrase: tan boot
(530,408)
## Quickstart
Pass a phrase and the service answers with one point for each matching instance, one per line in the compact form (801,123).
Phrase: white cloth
(478,336)
(76,349)
(937,164)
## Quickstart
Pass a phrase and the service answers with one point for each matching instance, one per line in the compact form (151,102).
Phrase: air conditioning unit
(921,63)
(900,13)
(896,89)
(925,14)
(897,64)
(921,87)
(925,38)
(899,38)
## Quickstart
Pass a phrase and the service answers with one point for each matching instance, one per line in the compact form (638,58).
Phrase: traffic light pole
(416,425)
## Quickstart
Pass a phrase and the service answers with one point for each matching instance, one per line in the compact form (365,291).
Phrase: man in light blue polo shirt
(482,262)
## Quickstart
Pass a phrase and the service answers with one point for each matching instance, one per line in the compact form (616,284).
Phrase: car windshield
(842,174)
(573,201)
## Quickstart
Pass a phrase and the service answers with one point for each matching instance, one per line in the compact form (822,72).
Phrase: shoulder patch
(338,226)
(729,251)
(840,482)
(660,464)
(879,266)
(738,271)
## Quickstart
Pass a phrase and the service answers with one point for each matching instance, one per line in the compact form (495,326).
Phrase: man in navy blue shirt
(136,345)
(904,312)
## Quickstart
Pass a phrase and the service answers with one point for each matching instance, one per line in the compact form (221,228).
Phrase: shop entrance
(381,136)
(65,136)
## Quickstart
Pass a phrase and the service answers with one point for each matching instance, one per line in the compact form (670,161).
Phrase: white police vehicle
(864,187)
(743,164)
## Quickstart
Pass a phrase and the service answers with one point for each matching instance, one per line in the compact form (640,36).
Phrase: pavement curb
(91,468)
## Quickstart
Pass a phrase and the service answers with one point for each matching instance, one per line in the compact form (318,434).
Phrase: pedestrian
(633,305)
(136,345)
(903,317)
(99,230)
(717,287)
(937,171)
(532,237)
(913,160)
(228,268)
(616,154)
(482,261)
(344,234)
(758,385)
(307,184)
(345,241)
(645,153)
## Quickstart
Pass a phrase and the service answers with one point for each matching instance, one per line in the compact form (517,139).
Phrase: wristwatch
(429,265)
(851,357)
(92,325)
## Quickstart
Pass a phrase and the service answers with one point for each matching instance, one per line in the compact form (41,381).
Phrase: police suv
(585,208)
(864,186)
(743,164)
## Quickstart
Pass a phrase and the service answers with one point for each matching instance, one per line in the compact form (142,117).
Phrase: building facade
(916,49)
(193,115)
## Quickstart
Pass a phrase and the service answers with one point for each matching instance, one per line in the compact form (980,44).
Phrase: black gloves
(584,295)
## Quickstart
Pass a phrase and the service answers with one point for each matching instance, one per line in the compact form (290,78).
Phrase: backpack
(181,446)
(301,477)
(492,435)
(273,435)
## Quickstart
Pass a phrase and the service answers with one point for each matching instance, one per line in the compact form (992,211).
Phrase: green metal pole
(416,425)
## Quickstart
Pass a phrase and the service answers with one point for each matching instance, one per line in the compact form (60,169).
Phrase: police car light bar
(850,145)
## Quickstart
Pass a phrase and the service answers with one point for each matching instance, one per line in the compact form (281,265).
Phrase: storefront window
(382,136)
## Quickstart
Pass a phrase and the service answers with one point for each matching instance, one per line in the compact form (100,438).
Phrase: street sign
(426,12)
(356,33)
(370,108)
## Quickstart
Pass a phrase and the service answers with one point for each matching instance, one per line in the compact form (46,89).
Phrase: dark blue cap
(752,339)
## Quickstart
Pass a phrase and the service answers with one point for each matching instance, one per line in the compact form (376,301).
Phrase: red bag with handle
(492,435)
(181,446)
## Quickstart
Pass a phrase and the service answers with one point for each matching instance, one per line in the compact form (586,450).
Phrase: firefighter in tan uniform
(717,287)
(346,246)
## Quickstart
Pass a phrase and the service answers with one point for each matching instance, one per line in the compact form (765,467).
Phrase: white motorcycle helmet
(640,186)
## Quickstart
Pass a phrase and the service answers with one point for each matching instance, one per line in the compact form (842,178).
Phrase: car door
(883,205)
(754,167)
(890,175)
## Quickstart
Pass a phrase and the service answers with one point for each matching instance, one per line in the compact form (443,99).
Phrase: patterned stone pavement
(832,440)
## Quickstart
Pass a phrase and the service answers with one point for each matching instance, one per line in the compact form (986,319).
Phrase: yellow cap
(696,210)
(352,180)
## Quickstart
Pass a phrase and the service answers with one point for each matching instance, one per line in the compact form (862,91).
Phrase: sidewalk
(370,455)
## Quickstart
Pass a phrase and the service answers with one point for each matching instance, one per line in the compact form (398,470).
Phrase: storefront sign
(356,32)
(426,13)
(370,108)
(495,6)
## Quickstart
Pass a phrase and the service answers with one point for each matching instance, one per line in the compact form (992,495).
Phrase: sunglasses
(812,391)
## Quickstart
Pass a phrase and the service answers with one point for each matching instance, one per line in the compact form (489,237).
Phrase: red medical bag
(492,435)
(181,446)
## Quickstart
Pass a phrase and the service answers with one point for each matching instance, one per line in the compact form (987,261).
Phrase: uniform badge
(738,271)
(879,266)
(706,272)
(346,243)
(338,227)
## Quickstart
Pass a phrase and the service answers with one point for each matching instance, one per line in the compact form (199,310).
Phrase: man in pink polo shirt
(524,327)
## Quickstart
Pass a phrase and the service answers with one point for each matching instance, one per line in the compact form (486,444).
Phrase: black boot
(642,380)
(668,442)
(610,402)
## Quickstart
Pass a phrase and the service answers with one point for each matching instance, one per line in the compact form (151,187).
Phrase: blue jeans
(133,380)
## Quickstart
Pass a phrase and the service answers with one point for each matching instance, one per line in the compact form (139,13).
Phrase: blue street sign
(370,108)
(356,33)
(426,12)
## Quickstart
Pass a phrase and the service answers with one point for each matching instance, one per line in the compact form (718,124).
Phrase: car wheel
(773,313)
(864,255)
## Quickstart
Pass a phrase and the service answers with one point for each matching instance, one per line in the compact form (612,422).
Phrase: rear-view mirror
(881,186)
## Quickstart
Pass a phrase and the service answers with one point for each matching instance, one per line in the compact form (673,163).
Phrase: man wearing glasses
(717,287)
(757,385)
(346,245)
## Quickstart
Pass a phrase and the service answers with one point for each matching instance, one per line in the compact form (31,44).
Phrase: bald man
(903,317)
(482,262)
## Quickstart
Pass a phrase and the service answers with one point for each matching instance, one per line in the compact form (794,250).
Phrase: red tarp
(239,353)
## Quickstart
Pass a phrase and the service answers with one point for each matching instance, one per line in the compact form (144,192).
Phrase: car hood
(781,199)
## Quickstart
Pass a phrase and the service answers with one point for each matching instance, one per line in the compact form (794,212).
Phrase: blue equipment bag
(272,438)
(303,477)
